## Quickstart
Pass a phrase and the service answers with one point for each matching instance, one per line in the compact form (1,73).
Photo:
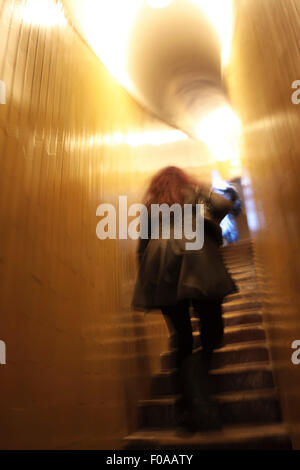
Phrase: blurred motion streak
(137,139)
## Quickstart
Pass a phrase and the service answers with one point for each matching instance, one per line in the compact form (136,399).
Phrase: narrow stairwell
(241,371)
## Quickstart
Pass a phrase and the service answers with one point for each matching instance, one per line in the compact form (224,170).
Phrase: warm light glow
(220,131)
(155,138)
(42,13)
(107,25)
(135,139)
(221,14)
(159,3)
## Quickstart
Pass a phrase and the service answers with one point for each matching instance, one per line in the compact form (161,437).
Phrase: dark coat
(168,272)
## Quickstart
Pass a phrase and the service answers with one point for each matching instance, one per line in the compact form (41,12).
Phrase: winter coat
(168,272)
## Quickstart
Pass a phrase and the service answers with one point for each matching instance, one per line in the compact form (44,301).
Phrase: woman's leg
(212,332)
(178,321)
(212,328)
(198,412)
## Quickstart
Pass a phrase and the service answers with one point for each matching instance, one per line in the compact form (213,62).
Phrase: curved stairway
(241,372)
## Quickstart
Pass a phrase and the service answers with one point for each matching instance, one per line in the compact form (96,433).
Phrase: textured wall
(265,62)
(77,358)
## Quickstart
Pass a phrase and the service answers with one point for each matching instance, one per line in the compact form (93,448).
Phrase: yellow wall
(265,62)
(77,358)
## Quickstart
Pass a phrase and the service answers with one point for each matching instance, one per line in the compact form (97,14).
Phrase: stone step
(237,248)
(246,317)
(232,334)
(243,268)
(245,254)
(235,273)
(250,287)
(242,318)
(236,262)
(242,295)
(260,437)
(247,285)
(241,243)
(240,353)
(243,277)
(234,377)
(237,270)
(246,300)
(134,325)
(240,264)
(241,254)
(238,407)
(249,376)
(241,304)
(232,354)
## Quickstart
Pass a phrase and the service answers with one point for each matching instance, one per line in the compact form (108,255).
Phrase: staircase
(241,372)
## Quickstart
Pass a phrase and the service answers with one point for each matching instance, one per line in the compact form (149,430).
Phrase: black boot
(183,420)
(201,412)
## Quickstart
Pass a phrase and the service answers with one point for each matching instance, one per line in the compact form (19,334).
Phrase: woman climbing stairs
(241,372)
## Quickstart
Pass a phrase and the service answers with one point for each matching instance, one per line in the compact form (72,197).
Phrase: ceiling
(170,59)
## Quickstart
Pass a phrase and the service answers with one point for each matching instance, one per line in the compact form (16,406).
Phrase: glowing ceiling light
(106,25)
(42,13)
(159,3)
(220,131)
(221,15)
(138,139)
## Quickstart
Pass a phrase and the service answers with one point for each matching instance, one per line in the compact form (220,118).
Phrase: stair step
(242,295)
(249,376)
(240,243)
(243,268)
(250,287)
(246,284)
(238,407)
(238,334)
(240,354)
(232,334)
(233,319)
(134,326)
(242,255)
(238,261)
(242,318)
(243,276)
(241,259)
(260,437)
(239,254)
(232,354)
(229,250)
(241,304)
(230,378)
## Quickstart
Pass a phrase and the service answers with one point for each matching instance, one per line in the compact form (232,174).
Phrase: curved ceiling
(170,58)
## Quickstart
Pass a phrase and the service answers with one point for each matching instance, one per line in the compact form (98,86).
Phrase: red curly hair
(168,186)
